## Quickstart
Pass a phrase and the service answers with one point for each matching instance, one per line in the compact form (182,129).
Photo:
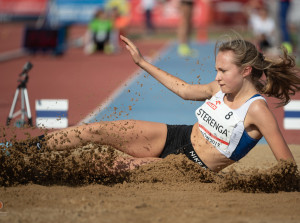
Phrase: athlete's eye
(220,70)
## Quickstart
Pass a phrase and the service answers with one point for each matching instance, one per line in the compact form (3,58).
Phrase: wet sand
(255,189)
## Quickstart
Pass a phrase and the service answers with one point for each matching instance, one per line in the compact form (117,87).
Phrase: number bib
(217,122)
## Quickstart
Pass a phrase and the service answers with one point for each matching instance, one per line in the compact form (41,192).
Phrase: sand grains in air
(94,164)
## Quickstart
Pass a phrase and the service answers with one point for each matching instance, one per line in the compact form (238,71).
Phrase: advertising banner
(70,11)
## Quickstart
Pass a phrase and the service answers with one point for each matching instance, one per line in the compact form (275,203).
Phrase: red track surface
(85,80)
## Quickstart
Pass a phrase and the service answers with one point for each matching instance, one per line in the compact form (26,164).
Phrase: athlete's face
(229,75)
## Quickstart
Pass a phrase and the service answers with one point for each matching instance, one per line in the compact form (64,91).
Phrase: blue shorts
(179,142)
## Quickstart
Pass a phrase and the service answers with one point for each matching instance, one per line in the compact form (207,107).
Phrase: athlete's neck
(236,99)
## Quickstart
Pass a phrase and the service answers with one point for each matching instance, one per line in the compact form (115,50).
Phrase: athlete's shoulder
(258,110)
(258,105)
(215,87)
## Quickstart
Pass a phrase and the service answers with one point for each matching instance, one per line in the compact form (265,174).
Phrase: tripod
(24,99)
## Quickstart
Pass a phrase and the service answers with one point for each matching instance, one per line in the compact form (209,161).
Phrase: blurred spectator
(98,33)
(261,24)
(120,23)
(148,6)
(185,27)
(122,6)
(284,6)
(119,12)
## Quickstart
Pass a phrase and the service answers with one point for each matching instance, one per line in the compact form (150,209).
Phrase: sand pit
(67,188)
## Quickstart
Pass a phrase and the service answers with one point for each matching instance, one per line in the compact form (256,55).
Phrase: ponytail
(282,79)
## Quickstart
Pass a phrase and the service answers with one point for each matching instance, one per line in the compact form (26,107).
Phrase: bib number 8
(228,115)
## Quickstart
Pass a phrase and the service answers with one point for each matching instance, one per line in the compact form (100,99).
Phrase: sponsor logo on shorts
(197,159)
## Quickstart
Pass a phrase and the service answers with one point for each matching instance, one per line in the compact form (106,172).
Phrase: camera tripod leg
(25,93)
(10,116)
(24,99)
(23,112)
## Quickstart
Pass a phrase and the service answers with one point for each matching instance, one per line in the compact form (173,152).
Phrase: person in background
(148,6)
(185,27)
(261,25)
(120,24)
(120,15)
(98,33)
(284,6)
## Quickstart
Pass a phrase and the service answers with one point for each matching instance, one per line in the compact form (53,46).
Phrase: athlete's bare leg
(136,138)
(185,25)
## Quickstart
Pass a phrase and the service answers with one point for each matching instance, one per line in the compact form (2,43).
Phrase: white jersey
(222,126)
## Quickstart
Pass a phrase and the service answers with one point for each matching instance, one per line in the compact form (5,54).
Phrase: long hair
(281,78)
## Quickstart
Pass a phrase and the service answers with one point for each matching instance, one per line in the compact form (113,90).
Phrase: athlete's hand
(134,51)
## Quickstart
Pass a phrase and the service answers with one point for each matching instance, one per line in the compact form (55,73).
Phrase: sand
(68,188)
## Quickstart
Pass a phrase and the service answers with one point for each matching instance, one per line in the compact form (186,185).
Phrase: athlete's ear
(247,71)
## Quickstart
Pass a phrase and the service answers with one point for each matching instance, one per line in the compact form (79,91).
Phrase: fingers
(124,39)
(127,41)
(129,45)
(134,51)
(130,49)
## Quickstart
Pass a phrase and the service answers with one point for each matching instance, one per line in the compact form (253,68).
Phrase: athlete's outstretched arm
(267,125)
(176,85)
